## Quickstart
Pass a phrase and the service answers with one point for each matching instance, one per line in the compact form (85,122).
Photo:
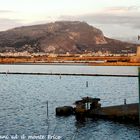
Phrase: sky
(118,19)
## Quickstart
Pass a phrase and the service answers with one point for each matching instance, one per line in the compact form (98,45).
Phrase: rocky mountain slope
(61,37)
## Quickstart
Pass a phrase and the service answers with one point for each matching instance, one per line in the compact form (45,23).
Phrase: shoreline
(68,74)
(74,63)
(115,64)
(71,60)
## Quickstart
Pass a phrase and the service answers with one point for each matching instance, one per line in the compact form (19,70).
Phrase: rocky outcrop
(60,37)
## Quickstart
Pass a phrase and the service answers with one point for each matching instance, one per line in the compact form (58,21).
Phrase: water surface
(23,108)
(71,69)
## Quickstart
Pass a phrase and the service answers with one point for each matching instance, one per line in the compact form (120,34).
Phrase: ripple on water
(23,108)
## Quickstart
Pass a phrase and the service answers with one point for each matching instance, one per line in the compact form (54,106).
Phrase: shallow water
(23,108)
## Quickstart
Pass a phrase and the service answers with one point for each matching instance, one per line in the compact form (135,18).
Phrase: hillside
(61,37)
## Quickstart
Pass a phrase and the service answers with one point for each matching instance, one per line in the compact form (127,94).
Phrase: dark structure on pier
(89,107)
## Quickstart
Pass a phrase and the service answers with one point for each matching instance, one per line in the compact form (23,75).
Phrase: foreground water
(23,108)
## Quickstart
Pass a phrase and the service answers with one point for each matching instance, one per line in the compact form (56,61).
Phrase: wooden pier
(91,108)
(123,113)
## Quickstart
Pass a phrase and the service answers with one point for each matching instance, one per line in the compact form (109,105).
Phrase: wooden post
(47,110)
(47,121)
(60,76)
(86,83)
(139,93)
(124,101)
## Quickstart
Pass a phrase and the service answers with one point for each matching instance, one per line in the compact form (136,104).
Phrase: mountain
(61,37)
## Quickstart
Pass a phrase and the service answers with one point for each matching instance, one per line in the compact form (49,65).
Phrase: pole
(47,110)
(47,121)
(139,93)
(86,83)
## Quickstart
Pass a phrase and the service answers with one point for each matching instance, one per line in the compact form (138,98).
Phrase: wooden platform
(89,107)
(124,113)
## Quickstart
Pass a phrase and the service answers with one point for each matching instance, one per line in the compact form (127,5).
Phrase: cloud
(116,22)
(122,9)
(9,23)
(126,16)
(112,19)
(6,11)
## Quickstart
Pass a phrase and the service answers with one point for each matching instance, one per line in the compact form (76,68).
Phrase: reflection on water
(23,108)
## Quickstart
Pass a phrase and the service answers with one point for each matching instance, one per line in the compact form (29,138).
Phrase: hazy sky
(116,18)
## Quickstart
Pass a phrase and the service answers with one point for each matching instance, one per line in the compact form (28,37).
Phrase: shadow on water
(105,129)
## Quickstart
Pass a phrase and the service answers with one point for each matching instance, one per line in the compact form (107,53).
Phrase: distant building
(136,59)
(138,51)
(52,55)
